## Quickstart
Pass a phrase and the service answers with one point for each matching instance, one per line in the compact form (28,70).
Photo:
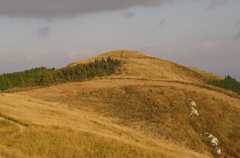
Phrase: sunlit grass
(139,65)
(119,116)
(63,142)
(163,112)
(60,130)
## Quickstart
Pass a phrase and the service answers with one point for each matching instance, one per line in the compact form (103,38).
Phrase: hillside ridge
(50,122)
(139,65)
(156,108)
(143,110)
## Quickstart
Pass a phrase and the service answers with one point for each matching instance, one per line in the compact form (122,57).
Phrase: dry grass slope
(140,112)
(139,65)
(52,129)
(158,109)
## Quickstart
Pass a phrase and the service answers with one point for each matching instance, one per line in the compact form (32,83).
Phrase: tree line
(228,83)
(43,76)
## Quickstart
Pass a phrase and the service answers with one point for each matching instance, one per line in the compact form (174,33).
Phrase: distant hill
(139,65)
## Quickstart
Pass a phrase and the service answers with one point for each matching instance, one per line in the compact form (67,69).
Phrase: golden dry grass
(120,115)
(113,99)
(49,129)
(139,65)
(65,89)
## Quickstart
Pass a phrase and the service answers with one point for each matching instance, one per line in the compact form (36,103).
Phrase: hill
(37,128)
(139,65)
(123,115)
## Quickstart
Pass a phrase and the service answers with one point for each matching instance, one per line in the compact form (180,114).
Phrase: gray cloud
(162,22)
(237,23)
(215,3)
(157,27)
(128,14)
(20,61)
(50,9)
(221,56)
(237,36)
(10,56)
(42,32)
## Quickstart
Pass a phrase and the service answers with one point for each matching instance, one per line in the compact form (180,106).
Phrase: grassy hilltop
(139,65)
(138,112)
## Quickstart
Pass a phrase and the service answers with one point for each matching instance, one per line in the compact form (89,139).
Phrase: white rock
(219,152)
(214,141)
(193,111)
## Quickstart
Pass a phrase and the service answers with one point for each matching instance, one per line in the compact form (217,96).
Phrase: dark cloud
(42,32)
(128,14)
(50,9)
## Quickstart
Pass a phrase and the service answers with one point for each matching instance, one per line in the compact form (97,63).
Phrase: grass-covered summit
(137,111)
(139,65)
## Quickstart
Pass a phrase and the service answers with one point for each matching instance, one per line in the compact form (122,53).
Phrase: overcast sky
(200,33)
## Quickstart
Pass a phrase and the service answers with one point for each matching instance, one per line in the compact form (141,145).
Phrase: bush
(228,83)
